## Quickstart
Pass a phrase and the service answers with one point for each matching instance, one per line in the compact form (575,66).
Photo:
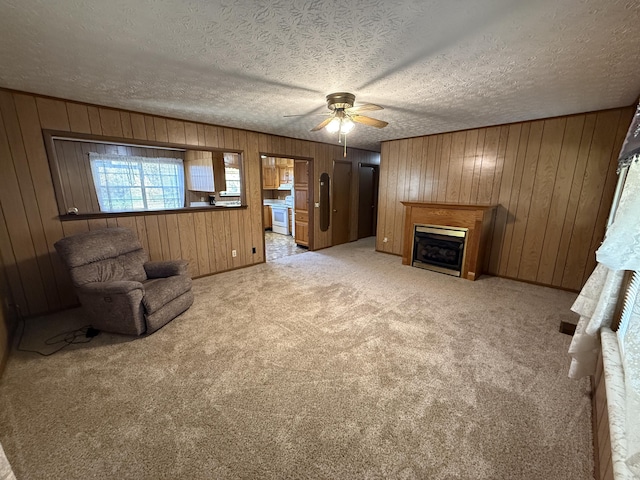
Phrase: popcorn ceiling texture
(434,65)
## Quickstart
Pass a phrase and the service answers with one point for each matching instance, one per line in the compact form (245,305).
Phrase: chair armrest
(110,288)
(167,268)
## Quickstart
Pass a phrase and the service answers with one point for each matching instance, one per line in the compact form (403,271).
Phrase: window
(231,175)
(130,183)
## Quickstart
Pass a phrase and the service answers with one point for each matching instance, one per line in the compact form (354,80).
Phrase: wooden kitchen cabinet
(266,212)
(301,202)
(269,174)
(285,171)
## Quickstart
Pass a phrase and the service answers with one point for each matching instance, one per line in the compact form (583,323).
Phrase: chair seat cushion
(160,291)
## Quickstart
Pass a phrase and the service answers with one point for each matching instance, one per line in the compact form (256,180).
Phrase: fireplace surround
(439,248)
(474,220)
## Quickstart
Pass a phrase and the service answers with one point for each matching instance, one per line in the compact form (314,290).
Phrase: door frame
(310,202)
(376,191)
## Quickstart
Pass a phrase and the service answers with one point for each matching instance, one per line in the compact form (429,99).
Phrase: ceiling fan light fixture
(334,125)
(346,126)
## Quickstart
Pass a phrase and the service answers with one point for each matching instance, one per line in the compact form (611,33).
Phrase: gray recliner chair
(118,287)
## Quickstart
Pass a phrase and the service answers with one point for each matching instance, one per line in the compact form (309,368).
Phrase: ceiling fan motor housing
(340,100)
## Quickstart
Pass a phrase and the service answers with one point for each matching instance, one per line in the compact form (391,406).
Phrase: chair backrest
(104,255)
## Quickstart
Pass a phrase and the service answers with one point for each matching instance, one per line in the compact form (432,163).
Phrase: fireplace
(466,225)
(439,248)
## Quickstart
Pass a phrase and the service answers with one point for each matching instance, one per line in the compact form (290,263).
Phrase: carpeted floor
(337,364)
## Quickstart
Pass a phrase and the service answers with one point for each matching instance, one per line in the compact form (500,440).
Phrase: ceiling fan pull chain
(345,146)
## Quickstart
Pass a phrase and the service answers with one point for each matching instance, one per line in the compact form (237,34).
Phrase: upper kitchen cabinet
(285,171)
(277,173)
(269,174)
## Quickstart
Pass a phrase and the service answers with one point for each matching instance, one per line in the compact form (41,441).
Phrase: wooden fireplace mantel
(476,218)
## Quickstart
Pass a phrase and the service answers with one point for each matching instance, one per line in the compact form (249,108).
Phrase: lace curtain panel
(621,247)
(595,305)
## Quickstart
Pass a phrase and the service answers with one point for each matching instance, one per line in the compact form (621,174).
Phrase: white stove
(280,218)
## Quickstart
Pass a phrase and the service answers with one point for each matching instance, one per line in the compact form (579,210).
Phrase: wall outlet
(317,204)
(385,240)
(234,253)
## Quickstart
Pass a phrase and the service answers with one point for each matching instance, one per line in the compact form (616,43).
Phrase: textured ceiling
(435,66)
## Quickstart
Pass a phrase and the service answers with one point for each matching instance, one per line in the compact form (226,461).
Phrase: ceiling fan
(343,116)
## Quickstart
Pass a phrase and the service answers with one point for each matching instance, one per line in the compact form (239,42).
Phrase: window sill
(89,216)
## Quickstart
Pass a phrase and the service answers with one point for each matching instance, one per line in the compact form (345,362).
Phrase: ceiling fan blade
(372,122)
(322,124)
(365,107)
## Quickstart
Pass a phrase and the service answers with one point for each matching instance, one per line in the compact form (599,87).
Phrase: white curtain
(5,469)
(132,183)
(629,342)
(595,305)
(620,251)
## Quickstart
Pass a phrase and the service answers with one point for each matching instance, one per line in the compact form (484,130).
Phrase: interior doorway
(368,181)
(285,205)
(341,199)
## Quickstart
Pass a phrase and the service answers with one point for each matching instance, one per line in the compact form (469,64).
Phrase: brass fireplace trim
(459,232)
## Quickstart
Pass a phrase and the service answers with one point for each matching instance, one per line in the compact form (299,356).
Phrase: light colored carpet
(337,364)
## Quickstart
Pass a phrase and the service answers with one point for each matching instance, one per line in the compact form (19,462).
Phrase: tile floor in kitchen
(278,246)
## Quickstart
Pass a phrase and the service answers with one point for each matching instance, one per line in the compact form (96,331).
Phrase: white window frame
(135,176)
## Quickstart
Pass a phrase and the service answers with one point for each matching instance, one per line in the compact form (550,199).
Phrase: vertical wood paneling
(16,217)
(524,198)
(499,242)
(94,120)
(396,241)
(28,119)
(544,181)
(127,128)
(110,121)
(138,126)
(78,118)
(456,163)
(391,199)
(477,167)
(53,114)
(591,196)
(552,180)
(608,192)
(602,439)
(560,198)
(443,178)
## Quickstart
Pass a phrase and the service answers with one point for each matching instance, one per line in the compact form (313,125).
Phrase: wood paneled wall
(29,223)
(552,179)
(7,322)
(601,439)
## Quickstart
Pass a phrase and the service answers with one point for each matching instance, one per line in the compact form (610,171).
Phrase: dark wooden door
(367,200)
(340,199)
